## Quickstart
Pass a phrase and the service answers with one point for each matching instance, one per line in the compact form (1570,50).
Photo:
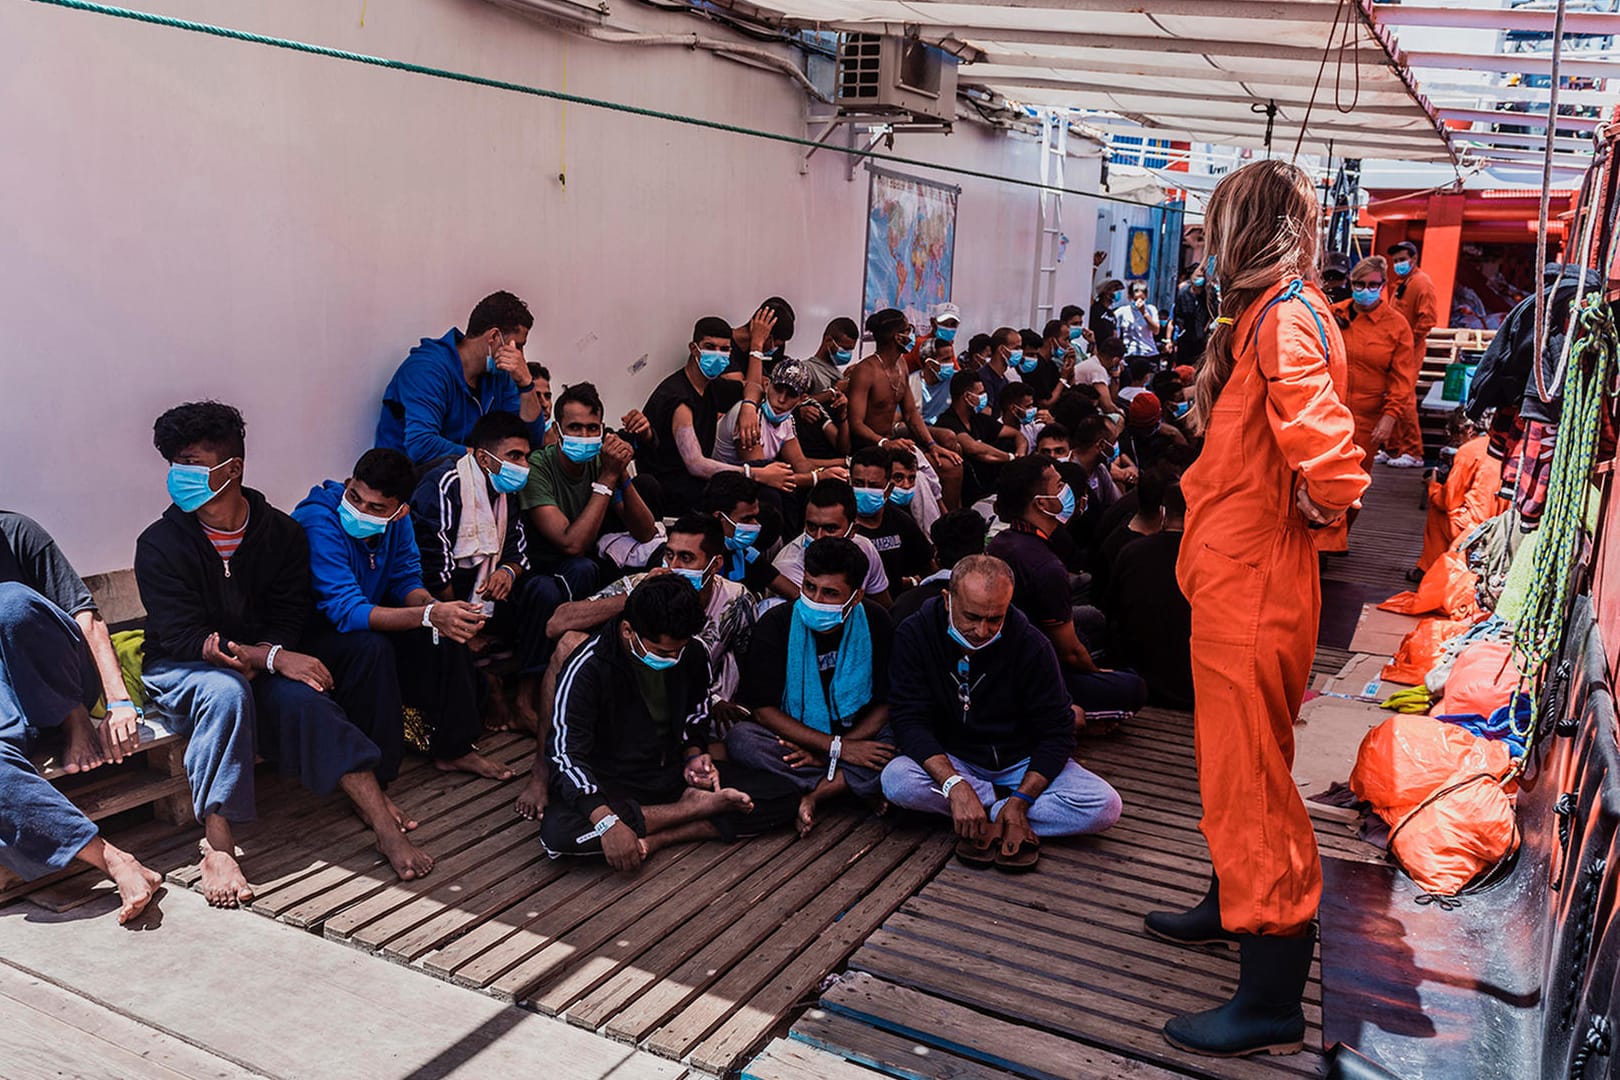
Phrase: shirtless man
(878,392)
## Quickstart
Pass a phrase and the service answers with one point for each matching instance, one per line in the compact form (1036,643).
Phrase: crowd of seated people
(908,578)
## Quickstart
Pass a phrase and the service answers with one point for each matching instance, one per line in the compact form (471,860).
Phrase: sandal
(1021,861)
(980,855)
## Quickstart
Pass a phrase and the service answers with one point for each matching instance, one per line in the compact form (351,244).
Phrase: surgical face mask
(359,524)
(843,356)
(1058,353)
(908,342)
(1029,415)
(805,540)
(1366,297)
(1180,409)
(960,638)
(1111,452)
(696,578)
(651,659)
(742,536)
(489,363)
(946,371)
(1403,267)
(1076,333)
(1198,281)
(1015,357)
(1119,297)
(771,414)
(189,487)
(819,618)
(580,450)
(509,478)
(982,402)
(1065,498)
(902,496)
(713,363)
(1026,364)
(946,334)
(869,500)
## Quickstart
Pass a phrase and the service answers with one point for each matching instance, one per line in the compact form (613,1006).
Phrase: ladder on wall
(1049,216)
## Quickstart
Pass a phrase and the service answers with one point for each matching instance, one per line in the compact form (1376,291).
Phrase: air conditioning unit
(882,74)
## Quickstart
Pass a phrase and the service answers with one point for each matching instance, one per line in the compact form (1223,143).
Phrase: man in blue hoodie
(388,642)
(445,385)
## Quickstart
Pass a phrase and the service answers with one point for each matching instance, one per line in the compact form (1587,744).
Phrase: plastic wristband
(950,782)
(882,443)
(427,621)
(270,659)
(834,752)
(694,755)
(1028,799)
(511,573)
(762,356)
(751,401)
(598,830)
(601,489)
(748,471)
(125,704)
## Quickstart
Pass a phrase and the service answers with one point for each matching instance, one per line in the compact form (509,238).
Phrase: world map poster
(910,244)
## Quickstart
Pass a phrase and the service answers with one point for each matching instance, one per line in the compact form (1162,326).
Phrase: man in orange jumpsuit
(1383,366)
(1279,458)
(1419,301)
(1468,494)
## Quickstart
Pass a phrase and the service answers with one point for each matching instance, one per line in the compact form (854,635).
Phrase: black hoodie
(1504,377)
(262,596)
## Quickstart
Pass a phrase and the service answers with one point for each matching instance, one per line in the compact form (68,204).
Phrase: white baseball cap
(945,313)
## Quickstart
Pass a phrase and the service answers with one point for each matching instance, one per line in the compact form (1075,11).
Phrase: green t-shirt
(549,486)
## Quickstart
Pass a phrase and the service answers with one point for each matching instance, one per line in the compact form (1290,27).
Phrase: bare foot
(81,752)
(223,882)
(405,822)
(527,719)
(498,714)
(531,801)
(718,802)
(409,861)
(477,764)
(807,815)
(136,884)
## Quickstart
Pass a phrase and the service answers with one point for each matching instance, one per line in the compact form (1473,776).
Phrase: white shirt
(790,563)
(1135,331)
(1090,372)
(772,437)
(1127,392)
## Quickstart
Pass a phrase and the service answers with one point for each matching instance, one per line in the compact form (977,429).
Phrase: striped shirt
(225,543)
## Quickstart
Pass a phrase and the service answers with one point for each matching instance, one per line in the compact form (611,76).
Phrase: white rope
(1546,194)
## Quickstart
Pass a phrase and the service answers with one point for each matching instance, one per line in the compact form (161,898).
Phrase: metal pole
(1546,187)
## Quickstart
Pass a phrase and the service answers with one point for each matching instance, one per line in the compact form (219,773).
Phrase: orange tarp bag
(1407,758)
(1447,588)
(1482,680)
(1420,649)
(1464,830)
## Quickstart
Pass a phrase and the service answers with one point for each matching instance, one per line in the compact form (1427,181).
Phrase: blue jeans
(1077,801)
(227,717)
(45,673)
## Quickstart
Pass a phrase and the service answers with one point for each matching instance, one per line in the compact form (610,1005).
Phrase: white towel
(481,532)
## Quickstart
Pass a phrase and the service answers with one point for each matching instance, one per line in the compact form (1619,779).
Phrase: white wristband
(602,489)
(427,621)
(834,752)
(748,471)
(598,830)
(950,782)
(270,659)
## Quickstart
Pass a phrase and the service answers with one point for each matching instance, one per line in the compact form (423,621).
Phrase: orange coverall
(1248,568)
(1470,495)
(1419,301)
(1383,368)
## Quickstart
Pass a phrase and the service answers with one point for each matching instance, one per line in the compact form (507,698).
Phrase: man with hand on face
(830,512)
(756,346)
(388,641)
(446,384)
(815,679)
(629,761)
(224,578)
(1138,323)
(984,725)
(900,542)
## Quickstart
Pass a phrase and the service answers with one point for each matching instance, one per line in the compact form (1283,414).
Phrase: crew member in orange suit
(1419,301)
(1468,493)
(1279,459)
(1383,366)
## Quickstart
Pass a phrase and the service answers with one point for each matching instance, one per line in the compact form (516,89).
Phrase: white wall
(187,217)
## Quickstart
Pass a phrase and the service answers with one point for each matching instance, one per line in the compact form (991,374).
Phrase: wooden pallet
(1443,348)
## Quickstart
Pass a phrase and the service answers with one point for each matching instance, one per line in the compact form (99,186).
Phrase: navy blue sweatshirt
(1019,704)
(436,516)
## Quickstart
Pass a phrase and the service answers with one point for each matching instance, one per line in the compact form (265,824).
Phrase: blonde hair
(1261,226)
(1368,265)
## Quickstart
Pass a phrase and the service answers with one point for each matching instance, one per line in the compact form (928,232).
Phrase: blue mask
(946,334)
(771,414)
(1076,333)
(908,343)
(1111,453)
(1366,297)
(1065,498)
(652,660)
(1403,268)
(946,371)
(1015,357)
(868,501)
(819,618)
(1119,297)
(489,364)
(742,536)
(1198,281)
(959,638)
(843,356)
(902,496)
(1026,364)
(511,478)
(1180,409)
(188,485)
(984,401)
(1029,415)
(580,450)
(695,578)
(713,364)
(358,524)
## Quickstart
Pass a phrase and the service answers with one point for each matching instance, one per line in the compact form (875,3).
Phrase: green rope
(1539,637)
(229,33)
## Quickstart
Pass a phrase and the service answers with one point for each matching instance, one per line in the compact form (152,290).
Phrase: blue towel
(802,696)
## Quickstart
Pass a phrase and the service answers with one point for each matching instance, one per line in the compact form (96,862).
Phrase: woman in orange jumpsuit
(1382,364)
(1279,458)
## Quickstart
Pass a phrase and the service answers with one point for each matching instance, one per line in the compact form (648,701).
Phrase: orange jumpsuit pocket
(1237,590)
